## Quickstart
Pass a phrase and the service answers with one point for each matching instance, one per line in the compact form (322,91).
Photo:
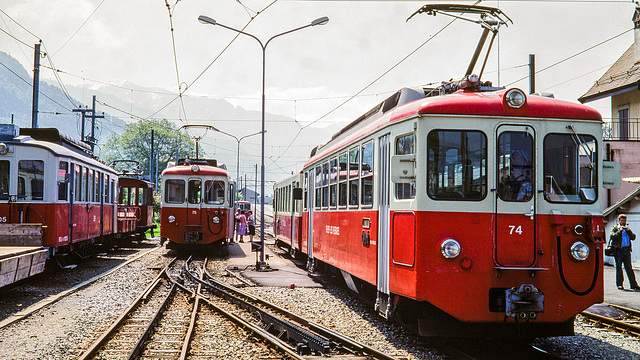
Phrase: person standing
(251,223)
(621,237)
(242,228)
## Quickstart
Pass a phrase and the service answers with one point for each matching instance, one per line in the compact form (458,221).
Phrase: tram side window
(106,189)
(90,186)
(318,186)
(63,182)
(112,198)
(366,174)
(570,168)
(174,191)
(78,183)
(456,165)
(342,180)
(85,184)
(124,196)
(306,191)
(354,171)
(214,192)
(325,185)
(30,179)
(333,180)
(142,196)
(96,196)
(404,146)
(195,191)
(4,179)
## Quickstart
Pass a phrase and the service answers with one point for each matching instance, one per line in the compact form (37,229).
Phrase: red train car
(197,205)
(287,220)
(476,212)
(50,179)
(135,207)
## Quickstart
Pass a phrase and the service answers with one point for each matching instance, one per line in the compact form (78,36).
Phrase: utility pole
(36,85)
(151,158)
(532,73)
(91,113)
(255,190)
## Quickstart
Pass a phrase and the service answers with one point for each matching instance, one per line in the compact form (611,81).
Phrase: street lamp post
(207,20)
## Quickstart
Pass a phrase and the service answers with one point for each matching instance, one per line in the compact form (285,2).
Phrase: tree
(135,144)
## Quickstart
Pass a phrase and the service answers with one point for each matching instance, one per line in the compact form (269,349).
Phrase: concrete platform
(280,272)
(627,297)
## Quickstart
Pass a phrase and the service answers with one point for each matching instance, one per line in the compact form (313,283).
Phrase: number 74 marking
(517,229)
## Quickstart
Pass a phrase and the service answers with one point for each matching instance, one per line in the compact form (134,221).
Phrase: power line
(572,56)
(74,34)
(213,61)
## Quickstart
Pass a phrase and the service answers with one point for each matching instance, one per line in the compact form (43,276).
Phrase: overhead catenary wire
(572,56)
(77,30)
(213,61)
(374,81)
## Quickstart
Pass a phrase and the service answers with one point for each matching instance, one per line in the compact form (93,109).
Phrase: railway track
(291,334)
(154,325)
(628,323)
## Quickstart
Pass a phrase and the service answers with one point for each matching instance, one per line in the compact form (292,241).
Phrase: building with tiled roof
(621,134)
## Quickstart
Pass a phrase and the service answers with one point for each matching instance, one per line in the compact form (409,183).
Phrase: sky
(367,48)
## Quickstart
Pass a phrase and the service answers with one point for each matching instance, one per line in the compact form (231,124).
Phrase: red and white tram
(480,209)
(50,179)
(135,207)
(197,205)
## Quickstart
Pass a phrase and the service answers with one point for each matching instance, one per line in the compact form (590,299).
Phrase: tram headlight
(578,230)
(195,168)
(215,220)
(515,98)
(4,149)
(580,251)
(172,219)
(450,249)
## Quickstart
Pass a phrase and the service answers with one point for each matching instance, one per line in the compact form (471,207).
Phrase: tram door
(310,205)
(515,196)
(383,217)
(194,199)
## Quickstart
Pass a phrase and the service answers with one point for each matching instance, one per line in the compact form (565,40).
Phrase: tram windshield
(214,192)
(174,191)
(457,165)
(570,168)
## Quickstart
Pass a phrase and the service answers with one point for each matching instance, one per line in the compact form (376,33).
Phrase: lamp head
(320,21)
(206,20)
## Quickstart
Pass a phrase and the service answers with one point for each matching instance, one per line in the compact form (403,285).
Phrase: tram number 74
(515,229)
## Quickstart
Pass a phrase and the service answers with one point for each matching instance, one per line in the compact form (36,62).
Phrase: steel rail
(139,346)
(89,353)
(192,323)
(610,323)
(292,331)
(274,341)
(633,312)
(322,330)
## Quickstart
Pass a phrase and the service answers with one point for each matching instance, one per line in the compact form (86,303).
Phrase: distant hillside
(128,102)
(54,109)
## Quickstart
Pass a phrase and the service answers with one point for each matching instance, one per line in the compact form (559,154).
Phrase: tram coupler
(524,302)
